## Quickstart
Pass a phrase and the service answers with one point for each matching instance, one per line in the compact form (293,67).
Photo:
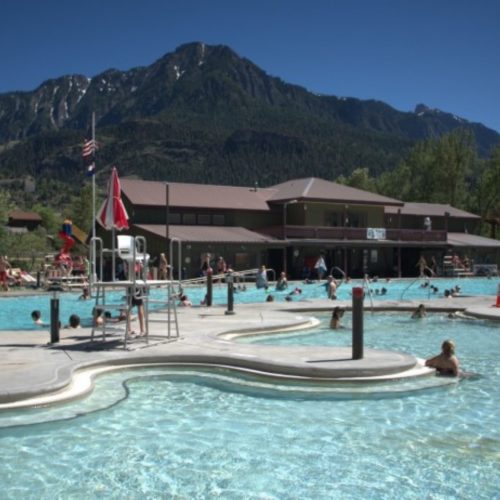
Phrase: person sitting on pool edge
(445,363)
(419,312)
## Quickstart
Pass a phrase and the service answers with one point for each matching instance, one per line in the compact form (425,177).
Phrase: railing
(237,275)
(344,276)
(353,233)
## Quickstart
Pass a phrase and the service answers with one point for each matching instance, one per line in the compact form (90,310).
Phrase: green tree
(487,194)
(6,205)
(30,245)
(360,179)
(435,171)
(51,221)
(454,159)
(81,209)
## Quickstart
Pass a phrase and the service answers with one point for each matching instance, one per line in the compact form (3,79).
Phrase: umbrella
(112,214)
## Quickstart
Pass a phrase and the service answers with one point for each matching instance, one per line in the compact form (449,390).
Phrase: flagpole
(94,273)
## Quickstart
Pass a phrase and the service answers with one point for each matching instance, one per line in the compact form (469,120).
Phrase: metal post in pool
(54,318)
(357,322)
(230,293)
(209,287)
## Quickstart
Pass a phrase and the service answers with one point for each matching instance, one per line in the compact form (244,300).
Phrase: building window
(189,219)
(174,218)
(356,220)
(219,220)
(203,219)
(332,219)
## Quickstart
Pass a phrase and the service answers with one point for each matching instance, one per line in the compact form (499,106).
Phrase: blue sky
(443,53)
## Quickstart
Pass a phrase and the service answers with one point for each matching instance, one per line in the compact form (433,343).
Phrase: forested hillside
(204,114)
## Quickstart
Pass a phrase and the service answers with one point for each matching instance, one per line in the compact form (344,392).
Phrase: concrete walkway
(30,367)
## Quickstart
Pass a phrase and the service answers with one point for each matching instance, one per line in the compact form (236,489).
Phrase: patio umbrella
(112,214)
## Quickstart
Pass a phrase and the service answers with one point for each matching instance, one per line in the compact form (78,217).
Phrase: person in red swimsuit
(4,275)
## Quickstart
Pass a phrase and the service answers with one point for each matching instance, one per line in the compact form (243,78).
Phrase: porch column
(399,224)
(399,262)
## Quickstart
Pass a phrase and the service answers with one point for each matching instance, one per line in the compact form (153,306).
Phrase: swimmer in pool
(445,363)
(419,312)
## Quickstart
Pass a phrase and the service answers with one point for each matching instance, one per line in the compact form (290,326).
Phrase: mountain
(204,114)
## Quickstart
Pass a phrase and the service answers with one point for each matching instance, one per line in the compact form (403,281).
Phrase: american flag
(89,148)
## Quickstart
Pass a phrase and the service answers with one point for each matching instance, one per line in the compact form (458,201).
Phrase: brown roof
(28,216)
(314,189)
(471,240)
(208,234)
(152,193)
(431,210)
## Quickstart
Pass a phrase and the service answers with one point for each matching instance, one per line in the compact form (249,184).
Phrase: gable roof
(153,193)
(209,234)
(25,216)
(314,189)
(431,210)
(471,240)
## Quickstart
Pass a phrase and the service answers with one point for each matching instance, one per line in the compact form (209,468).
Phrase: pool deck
(32,368)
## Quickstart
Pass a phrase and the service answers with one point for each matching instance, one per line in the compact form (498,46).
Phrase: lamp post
(285,206)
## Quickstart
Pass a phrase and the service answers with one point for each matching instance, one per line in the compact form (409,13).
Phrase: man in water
(445,363)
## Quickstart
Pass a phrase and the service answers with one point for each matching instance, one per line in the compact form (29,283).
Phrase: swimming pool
(191,435)
(15,311)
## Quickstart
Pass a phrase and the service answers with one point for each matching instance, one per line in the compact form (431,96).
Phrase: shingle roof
(471,240)
(208,234)
(315,189)
(152,193)
(28,216)
(431,209)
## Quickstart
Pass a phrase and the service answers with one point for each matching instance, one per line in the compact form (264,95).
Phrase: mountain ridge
(203,111)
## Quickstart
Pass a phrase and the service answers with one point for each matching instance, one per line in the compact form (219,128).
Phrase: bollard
(209,287)
(357,323)
(54,318)
(230,293)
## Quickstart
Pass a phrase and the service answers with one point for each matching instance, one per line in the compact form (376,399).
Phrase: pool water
(15,311)
(175,434)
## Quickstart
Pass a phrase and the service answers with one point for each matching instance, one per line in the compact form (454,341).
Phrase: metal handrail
(236,274)
(273,272)
(338,269)
(427,278)
(366,284)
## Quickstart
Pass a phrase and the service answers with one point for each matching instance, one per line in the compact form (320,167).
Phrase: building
(23,221)
(287,226)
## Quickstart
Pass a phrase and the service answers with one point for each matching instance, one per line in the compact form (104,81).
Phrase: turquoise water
(181,434)
(15,311)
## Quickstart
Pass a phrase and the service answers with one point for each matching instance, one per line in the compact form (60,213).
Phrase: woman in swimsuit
(445,363)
